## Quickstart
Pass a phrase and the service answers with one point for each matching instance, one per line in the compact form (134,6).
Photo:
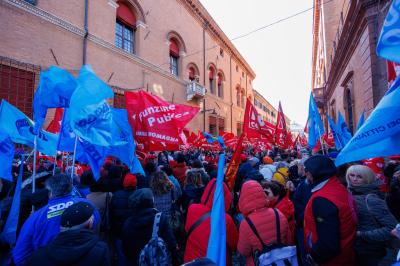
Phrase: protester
(44,224)
(375,221)
(197,166)
(138,229)
(393,198)
(76,244)
(267,169)
(163,191)
(330,218)
(253,203)
(198,226)
(177,187)
(120,212)
(193,189)
(180,169)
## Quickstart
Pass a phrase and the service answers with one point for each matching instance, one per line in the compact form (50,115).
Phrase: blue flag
(315,126)
(90,114)
(216,250)
(343,131)
(55,89)
(6,156)
(388,44)
(360,121)
(19,127)
(334,130)
(123,131)
(380,134)
(9,234)
(86,152)
(211,139)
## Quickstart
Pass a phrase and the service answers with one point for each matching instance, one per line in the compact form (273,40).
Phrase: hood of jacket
(208,195)
(365,189)
(252,197)
(69,247)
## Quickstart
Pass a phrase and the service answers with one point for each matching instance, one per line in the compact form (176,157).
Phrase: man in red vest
(330,219)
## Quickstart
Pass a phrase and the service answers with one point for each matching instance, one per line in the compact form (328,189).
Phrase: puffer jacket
(253,204)
(196,245)
(374,221)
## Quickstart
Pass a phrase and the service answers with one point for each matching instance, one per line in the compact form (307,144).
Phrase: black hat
(320,167)
(76,214)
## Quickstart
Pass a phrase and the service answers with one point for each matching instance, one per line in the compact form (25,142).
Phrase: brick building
(171,48)
(347,75)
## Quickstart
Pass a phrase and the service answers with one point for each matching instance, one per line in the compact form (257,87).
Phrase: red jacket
(253,203)
(180,172)
(336,193)
(285,205)
(197,243)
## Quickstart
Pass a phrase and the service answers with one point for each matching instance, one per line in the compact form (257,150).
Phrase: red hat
(130,181)
(243,157)
(395,158)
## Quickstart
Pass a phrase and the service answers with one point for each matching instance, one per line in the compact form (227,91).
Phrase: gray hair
(59,185)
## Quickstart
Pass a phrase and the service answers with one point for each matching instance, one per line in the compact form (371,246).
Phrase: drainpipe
(230,90)
(86,33)
(204,74)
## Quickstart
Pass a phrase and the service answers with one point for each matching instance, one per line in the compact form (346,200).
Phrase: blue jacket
(43,226)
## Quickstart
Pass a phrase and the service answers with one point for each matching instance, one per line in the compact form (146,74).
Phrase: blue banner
(315,126)
(211,139)
(90,114)
(55,89)
(6,156)
(343,130)
(338,142)
(380,134)
(9,234)
(389,40)
(216,250)
(19,127)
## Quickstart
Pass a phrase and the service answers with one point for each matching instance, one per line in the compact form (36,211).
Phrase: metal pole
(55,163)
(73,158)
(34,164)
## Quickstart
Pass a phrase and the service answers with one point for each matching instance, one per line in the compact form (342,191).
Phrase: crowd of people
(332,216)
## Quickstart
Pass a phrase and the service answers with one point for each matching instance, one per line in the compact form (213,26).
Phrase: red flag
(254,126)
(280,128)
(54,126)
(289,144)
(393,70)
(303,140)
(157,123)
(233,167)
(329,140)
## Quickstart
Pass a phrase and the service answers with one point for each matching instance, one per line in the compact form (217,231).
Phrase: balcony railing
(195,91)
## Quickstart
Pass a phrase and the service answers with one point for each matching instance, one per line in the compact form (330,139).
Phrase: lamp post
(204,111)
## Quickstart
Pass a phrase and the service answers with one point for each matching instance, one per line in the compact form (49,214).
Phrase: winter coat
(191,194)
(374,221)
(74,247)
(393,199)
(43,226)
(180,172)
(119,210)
(137,231)
(197,243)
(253,204)
(300,199)
(177,187)
(285,205)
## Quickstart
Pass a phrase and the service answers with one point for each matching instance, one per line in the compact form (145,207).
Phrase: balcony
(195,91)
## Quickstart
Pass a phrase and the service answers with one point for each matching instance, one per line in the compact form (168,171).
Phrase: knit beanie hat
(320,167)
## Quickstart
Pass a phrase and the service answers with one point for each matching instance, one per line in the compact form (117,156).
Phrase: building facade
(171,48)
(268,112)
(347,75)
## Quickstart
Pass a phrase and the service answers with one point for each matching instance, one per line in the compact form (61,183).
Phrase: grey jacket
(374,220)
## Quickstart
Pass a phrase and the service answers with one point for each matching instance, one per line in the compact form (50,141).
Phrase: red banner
(393,70)
(233,167)
(156,123)
(54,126)
(280,128)
(254,126)
(289,143)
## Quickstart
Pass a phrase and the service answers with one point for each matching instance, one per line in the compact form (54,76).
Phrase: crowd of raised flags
(92,130)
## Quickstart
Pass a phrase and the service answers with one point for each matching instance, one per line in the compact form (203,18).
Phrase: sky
(280,55)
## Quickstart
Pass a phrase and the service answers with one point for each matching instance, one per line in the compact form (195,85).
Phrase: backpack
(155,253)
(276,254)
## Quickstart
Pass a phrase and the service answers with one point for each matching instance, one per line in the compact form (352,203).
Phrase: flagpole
(55,163)
(73,158)
(320,140)
(34,164)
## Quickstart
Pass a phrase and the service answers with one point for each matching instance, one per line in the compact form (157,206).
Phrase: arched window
(211,74)
(238,96)
(220,80)
(125,28)
(349,110)
(243,98)
(192,73)
(173,56)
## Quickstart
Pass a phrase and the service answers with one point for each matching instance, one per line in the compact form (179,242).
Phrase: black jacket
(74,247)
(137,231)
(119,210)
